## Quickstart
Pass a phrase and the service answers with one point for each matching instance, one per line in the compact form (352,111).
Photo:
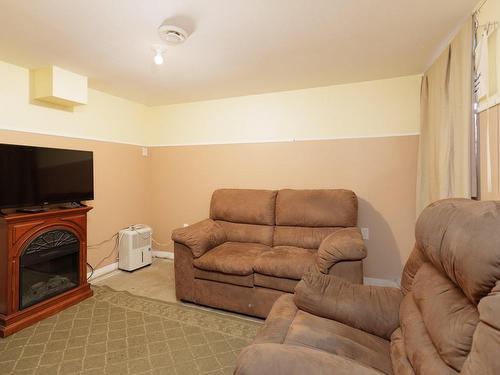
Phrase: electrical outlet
(185,225)
(365,232)
(145,151)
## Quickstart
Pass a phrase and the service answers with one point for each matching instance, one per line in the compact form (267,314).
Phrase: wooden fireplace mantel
(17,230)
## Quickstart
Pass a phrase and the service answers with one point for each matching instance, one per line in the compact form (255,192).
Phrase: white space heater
(134,247)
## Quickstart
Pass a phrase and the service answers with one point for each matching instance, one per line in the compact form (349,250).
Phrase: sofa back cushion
(306,237)
(243,206)
(301,218)
(305,217)
(317,208)
(413,264)
(246,215)
(238,232)
(461,238)
(452,272)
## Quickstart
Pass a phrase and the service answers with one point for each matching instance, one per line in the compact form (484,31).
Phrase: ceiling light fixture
(172,34)
(159,51)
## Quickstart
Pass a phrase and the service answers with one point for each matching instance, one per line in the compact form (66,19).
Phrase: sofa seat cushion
(239,280)
(285,261)
(277,283)
(232,258)
(333,337)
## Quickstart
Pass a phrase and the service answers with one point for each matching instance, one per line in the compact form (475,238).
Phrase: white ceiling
(237,47)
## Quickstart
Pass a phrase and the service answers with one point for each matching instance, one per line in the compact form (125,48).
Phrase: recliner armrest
(278,359)
(373,309)
(200,237)
(342,245)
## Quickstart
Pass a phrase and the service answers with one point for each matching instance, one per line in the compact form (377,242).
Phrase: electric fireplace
(43,265)
(48,267)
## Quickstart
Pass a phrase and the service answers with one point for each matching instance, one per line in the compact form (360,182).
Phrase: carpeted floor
(115,332)
(155,281)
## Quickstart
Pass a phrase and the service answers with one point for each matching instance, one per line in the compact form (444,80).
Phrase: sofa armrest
(373,309)
(200,237)
(342,245)
(278,359)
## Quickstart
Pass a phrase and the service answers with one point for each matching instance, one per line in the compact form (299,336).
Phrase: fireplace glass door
(48,266)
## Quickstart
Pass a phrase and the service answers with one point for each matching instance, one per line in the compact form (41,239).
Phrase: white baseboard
(103,271)
(380,282)
(163,254)
(114,266)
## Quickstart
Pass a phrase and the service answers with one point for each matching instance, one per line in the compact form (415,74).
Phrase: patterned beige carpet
(119,333)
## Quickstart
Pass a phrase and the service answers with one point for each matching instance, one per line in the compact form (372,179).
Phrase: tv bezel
(44,204)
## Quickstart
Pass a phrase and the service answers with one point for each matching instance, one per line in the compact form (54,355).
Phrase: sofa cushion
(373,309)
(306,237)
(285,261)
(413,264)
(243,206)
(278,321)
(233,258)
(317,208)
(238,232)
(224,278)
(469,258)
(421,352)
(351,271)
(449,317)
(484,358)
(400,363)
(200,237)
(277,283)
(337,338)
(344,245)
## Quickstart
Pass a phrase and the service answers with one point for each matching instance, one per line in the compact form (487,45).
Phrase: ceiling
(236,47)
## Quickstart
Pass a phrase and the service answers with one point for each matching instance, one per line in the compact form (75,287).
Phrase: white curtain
(446,124)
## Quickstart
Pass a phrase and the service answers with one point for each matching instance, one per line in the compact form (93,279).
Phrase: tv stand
(17,232)
(68,205)
(32,210)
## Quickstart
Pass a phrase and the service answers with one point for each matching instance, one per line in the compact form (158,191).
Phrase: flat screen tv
(36,176)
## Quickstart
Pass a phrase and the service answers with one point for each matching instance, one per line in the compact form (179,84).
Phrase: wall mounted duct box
(58,86)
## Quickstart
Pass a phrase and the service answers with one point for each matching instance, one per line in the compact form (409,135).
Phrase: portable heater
(134,247)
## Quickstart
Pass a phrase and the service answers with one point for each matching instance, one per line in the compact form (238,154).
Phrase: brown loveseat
(445,319)
(257,245)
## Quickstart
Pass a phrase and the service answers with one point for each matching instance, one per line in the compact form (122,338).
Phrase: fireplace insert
(48,266)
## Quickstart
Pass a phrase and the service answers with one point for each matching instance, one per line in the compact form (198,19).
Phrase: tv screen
(32,176)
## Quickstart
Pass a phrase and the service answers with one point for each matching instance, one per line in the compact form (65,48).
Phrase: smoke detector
(172,34)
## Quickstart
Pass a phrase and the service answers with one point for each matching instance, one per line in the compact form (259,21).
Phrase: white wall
(105,117)
(367,109)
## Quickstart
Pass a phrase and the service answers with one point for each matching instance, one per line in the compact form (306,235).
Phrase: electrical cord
(91,271)
(102,242)
(117,237)
(115,248)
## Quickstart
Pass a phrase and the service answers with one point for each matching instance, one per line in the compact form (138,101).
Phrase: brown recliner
(258,244)
(444,320)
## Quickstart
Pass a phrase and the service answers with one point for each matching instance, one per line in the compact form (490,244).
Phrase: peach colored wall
(380,170)
(174,185)
(121,177)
